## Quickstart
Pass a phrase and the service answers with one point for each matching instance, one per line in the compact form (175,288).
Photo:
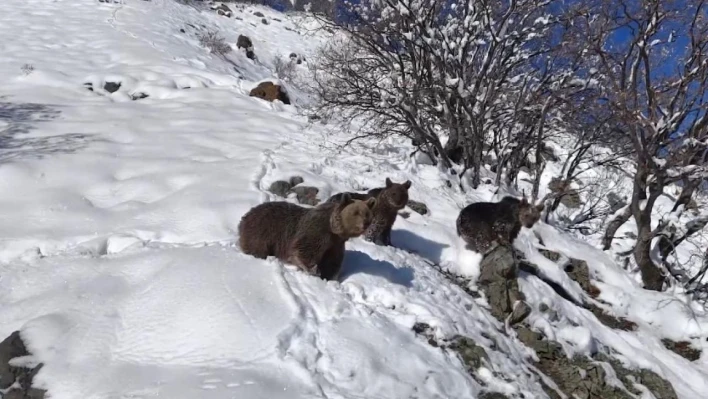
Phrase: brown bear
(389,200)
(483,224)
(310,238)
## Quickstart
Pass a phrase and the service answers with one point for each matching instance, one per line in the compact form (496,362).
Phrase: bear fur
(483,224)
(311,238)
(389,200)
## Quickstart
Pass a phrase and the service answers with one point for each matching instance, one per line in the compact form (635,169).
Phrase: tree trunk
(652,277)
(613,226)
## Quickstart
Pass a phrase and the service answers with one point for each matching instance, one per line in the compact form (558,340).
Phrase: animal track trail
(299,341)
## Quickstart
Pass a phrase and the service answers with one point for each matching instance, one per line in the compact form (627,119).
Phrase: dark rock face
(111,87)
(17,379)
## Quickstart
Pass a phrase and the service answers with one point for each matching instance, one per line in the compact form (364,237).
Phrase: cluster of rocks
(579,376)
(587,377)
(472,355)
(305,194)
(112,87)
(16,376)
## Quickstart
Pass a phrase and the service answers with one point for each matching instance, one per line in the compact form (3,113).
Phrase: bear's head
(529,213)
(395,195)
(352,217)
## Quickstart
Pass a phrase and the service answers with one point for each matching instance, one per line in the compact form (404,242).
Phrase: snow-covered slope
(117,231)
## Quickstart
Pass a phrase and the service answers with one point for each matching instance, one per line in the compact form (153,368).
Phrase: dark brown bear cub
(311,238)
(389,200)
(483,224)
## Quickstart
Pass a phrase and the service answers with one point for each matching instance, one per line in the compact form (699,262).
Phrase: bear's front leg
(386,237)
(331,264)
(306,253)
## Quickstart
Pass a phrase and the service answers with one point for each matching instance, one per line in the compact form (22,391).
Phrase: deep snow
(118,220)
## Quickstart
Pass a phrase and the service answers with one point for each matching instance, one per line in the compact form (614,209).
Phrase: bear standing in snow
(483,224)
(389,200)
(311,238)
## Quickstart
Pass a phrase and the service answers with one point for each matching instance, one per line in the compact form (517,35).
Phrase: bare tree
(661,110)
(442,73)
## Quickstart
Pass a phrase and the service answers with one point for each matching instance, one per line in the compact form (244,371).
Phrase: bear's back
(483,215)
(267,229)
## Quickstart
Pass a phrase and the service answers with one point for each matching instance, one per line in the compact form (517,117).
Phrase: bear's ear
(540,207)
(407,184)
(371,202)
(345,198)
(389,183)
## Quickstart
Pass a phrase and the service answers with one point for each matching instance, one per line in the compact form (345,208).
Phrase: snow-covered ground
(117,230)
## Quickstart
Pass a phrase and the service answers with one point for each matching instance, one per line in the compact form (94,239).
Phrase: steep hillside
(129,153)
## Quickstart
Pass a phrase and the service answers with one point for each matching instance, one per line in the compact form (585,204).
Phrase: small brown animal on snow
(311,238)
(389,200)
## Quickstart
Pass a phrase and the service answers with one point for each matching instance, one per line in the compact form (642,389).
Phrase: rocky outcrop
(682,348)
(586,377)
(17,370)
(498,280)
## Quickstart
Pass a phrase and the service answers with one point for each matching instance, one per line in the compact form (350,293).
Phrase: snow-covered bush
(214,42)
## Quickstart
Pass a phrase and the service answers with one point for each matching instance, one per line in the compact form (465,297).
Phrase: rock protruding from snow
(111,87)
(585,377)
(281,188)
(270,91)
(17,370)
(418,207)
(498,279)
(223,9)
(682,348)
(306,195)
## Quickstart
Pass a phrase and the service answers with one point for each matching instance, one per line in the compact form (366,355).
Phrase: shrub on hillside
(214,42)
